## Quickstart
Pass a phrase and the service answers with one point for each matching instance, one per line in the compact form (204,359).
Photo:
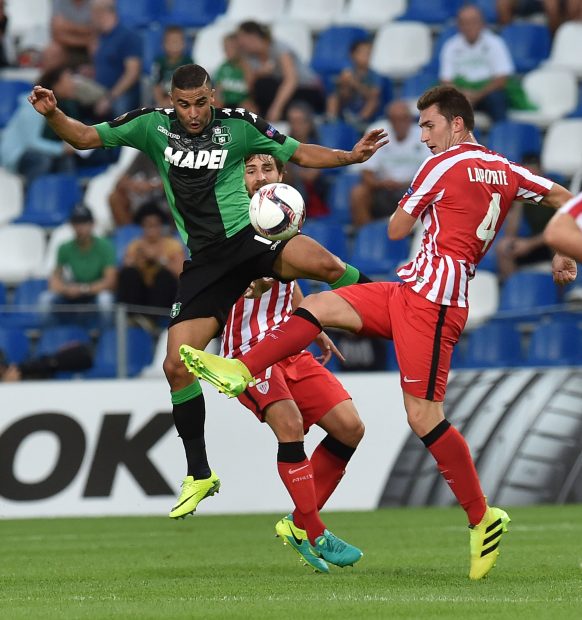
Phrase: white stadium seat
(208,49)
(264,11)
(553,90)
(61,234)
(484,298)
(12,196)
(400,49)
(567,48)
(317,14)
(23,249)
(370,14)
(562,147)
(297,36)
(29,23)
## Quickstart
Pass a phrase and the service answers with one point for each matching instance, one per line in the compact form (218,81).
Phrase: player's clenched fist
(43,100)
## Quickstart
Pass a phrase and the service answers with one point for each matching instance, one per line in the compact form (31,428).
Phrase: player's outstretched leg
(229,376)
(485,539)
(336,551)
(193,492)
(297,539)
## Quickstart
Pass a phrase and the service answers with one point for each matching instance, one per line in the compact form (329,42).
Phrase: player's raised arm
(315,156)
(74,132)
(557,197)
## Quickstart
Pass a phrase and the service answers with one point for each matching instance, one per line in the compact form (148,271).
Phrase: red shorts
(424,333)
(300,378)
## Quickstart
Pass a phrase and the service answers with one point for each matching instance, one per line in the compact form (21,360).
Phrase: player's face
(259,171)
(193,107)
(437,132)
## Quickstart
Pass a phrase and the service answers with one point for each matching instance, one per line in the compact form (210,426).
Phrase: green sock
(350,276)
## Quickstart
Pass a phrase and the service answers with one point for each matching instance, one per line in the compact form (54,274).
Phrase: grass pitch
(415,566)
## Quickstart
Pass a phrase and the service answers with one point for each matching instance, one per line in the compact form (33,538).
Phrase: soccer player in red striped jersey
(564,231)
(290,397)
(461,195)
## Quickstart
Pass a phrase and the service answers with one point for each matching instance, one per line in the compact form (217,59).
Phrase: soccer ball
(277,211)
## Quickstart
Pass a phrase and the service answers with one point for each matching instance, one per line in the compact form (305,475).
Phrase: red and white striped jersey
(461,197)
(249,319)
(574,208)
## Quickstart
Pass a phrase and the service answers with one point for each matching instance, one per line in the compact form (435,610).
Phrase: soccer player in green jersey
(199,151)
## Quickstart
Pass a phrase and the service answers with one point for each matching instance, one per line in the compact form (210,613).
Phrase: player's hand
(43,100)
(258,287)
(563,269)
(327,347)
(368,145)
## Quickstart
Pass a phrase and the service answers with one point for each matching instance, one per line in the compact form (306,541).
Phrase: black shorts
(216,277)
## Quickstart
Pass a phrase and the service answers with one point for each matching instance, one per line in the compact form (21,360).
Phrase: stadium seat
(431,11)
(317,14)
(182,13)
(152,38)
(329,234)
(515,140)
(416,84)
(28,24)
(370,14)
(23,248)
(50,199)
(140,13)
(58,236)
(526,292)
(566,49)
(493,344)
(483,298)
(122,237)
(297,36)
(553,90)
(400,49)
(12,196)
(374,253)
(53,338)
(266,11)
(529,44)
(24,303)
(332,48)
(340,196)
(444,35)
(139,353)
(10,91)
(14,344)
(562,147)
(208,49)
(338,135)
(487,7)
(555,343)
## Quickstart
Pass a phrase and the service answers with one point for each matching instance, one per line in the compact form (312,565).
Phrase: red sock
(328,470)
(455,463)
(298,479)
(288,338)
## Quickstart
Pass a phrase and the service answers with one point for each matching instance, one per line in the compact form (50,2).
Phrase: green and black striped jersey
(203,175)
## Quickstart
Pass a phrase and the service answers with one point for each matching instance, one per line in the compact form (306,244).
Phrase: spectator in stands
(557,11)
(3,24)
(164,66)
(72,28)
(28,146)
(117,61)
(277,75)
(85,271)
(152,263)
(309,182)
(478,62)
(72,357)
(231,80)
(141,183)
(388,174)
(357,94)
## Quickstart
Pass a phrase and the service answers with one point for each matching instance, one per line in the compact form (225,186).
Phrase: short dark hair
(450,102)
(174,29)
(279,163)
(260,30)
(190,76)
(147,210)
(50,78)
(354,46)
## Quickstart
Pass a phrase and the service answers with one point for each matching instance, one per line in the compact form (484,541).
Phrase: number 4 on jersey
(486,229)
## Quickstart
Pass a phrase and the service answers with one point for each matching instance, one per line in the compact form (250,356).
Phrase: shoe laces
(334,543)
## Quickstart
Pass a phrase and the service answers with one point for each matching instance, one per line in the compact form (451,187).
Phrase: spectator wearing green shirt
(174,56)
(232,77)
(85,272)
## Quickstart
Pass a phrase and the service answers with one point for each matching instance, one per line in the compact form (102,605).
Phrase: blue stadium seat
(140,352)
(555,343)
(416,84)
(529,44)
(2,295)
(194,13)
(332,48)
(26,296)
(10,91)
(527,291)
(14,344)
(515,140)
(339,196)
(431,11)
(50,200)
(152,39)
(445,34)
(487,7)
(140,13)
(329,234)
(493,344)
(386,95)
(374,253)
(122,237)
(53,338)
(338,135)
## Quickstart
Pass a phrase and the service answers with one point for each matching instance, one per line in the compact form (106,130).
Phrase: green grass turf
(415,566)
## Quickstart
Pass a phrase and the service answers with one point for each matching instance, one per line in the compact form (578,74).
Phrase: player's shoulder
(573,206)
(236,114)
(143,114)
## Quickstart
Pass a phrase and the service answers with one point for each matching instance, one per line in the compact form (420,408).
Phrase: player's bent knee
(174,370)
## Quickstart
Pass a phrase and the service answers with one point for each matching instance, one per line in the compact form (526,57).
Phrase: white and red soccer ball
(277,211)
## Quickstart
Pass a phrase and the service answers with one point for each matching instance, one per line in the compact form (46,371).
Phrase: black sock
(189,418)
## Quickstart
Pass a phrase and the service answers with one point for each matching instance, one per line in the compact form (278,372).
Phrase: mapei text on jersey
(213,160)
